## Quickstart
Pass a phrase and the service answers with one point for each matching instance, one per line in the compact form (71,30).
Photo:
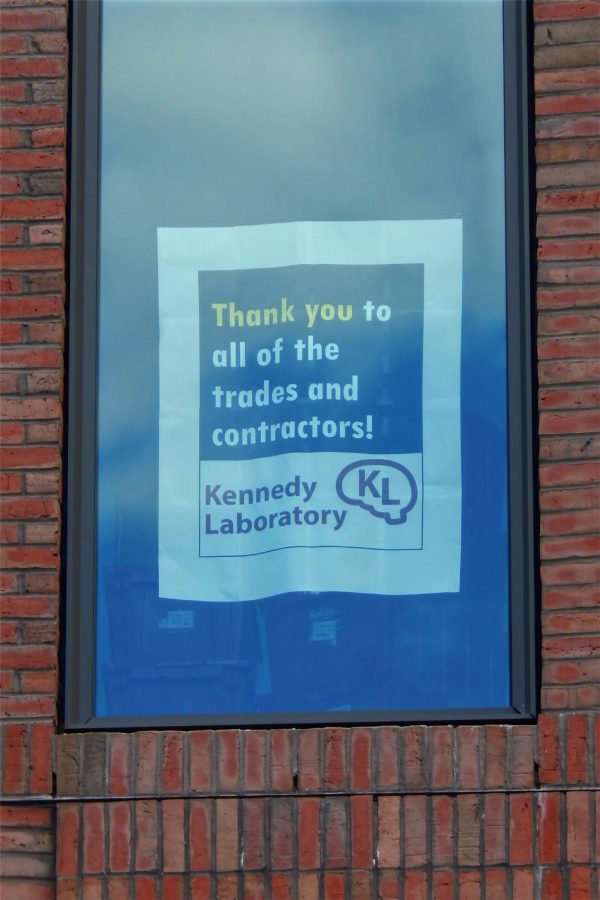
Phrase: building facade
(442,811)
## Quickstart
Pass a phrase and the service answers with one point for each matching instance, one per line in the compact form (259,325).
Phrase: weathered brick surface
(438,811)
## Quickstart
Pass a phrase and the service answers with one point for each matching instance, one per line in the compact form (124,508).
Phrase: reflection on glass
(226,113)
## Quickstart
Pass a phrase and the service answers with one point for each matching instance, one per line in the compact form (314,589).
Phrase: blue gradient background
(232,113)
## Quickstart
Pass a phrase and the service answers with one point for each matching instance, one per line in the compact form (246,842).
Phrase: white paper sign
(310,409)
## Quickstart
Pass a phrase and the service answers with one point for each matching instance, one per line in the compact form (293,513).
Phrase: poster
(309,426)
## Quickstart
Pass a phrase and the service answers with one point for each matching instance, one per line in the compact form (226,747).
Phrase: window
(300,442)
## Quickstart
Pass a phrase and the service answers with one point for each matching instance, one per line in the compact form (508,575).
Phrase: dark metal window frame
(80,553)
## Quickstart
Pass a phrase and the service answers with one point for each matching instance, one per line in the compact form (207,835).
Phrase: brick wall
(458,812)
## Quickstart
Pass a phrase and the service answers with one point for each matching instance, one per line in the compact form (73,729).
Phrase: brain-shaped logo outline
(398,517)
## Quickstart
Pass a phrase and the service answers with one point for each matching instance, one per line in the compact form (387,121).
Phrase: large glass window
(300,445)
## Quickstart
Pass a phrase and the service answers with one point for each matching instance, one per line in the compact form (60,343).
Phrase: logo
(384,488)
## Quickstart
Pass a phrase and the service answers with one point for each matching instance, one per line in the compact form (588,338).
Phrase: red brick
(335,886)
(442,762)
(442,830)
(281,887)
(309,756)
(146,762)
(309,832)
(335,758)
(201,887)
(33,19)
(39,683)
(173,835)
(119,817)
(596,764)
(570,523)
(361,811)
(580,883)
(415,885)
(118,775)
(521,829)
(360,759)
(32,67)
(34,357)
(568,199)
(415,831)
(253,833)
(578,826)
(569,322)
(25,657)
(568,174)
(308,887)
(567,9)
(118,888)
(29,508)
(31,208)
(572,473)
(388,837)
(571,672)
(8,632)
(580,422)
(40,762)
(281,826)
(570,573)
(172,887)
(566,151)
(30,258)
(443,885)
(566,297)
(494,829)
(567,126)
(30,557)
(281,760)
(228,760)
(200,831)
(468,756)
(9,534)
(26,606)
(523,885)
(26,707)
(255,755)
(568,499)
(468,829)
(10,235)
(577,750)
(548,825)
(93,838)
(200,765)
(414,756)
(361,886)
(14,759)
(67,839)
(172,762)
(30,408)
(255,887)
(521,756)
(561,225)
(567,273)
(389,887)
(227,835)
(25,160)
(571,647)
(12,434)
(388,774)
(549,756)
(146,835)
(9,382)
(48,137)
(10,92)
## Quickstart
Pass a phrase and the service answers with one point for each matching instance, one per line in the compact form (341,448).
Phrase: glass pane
(369,137)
